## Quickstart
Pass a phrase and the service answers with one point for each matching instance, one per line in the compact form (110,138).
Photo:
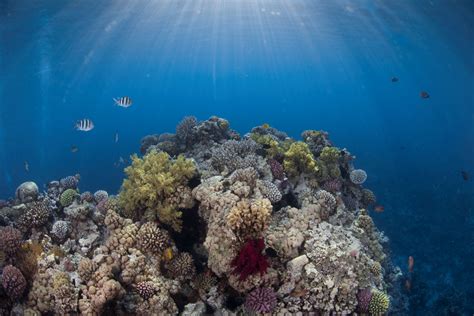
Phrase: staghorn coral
(13,282)
(358,176)
(10,240)
(248,219)
(150,183)
(67,197)
(185,129)
(299,159)
(250,260)
(261,300)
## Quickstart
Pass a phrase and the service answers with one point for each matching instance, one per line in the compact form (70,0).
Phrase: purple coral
(13,282)
(333,185)
(69,182)
(363,298)
(261,300)
(87,197)
(145,289)
(277,169)
(10,239)
(100,195)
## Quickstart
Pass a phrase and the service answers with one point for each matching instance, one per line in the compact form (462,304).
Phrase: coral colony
(206,221)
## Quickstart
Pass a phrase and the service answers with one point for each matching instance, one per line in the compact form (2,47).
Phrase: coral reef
(205,222)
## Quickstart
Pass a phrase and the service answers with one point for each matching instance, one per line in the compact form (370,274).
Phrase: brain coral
(261,300)
(60,229)
(151,182)
(13,282)
(10,239)
(249,219)
(358,176)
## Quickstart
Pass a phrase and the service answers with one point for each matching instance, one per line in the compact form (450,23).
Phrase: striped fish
(124,102)
(84,125)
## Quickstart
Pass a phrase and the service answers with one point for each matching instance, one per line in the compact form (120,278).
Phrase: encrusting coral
(150,185)
(205,220)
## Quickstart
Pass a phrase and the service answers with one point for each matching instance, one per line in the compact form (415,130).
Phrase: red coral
(250,259)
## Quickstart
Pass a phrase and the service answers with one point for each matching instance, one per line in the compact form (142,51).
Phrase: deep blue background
(299,64)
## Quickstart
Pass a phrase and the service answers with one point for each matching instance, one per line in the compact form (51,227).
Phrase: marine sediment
(207,221)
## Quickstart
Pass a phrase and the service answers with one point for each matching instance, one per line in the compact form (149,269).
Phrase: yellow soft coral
(299,159)
(249,219)
(151,183)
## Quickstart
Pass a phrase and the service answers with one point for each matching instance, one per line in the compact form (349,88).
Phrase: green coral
(151,185)
(67,197)
(299,159)
(379,303)
(330,155)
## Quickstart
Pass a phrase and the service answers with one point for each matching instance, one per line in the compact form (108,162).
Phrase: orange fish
(379,208)
(408,284)
(411,263)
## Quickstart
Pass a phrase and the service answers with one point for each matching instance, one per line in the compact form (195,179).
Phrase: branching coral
(250,259)
(248,219)
(150,184)
(299,159)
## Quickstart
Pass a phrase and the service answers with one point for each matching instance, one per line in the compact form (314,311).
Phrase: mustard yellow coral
(249,219)
(299,159)
(150,184)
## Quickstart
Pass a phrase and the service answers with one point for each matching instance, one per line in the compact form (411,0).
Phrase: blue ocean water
(300,64)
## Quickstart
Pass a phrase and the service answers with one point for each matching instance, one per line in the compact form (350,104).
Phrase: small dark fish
(124,102)
(394,79)
(424,95)
(465,175)
(84,125)
(74,149)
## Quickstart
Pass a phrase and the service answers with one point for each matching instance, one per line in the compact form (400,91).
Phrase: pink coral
(277,169)
(363,297)
(261,300)
(13,282)
(250,259)
(10,239)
